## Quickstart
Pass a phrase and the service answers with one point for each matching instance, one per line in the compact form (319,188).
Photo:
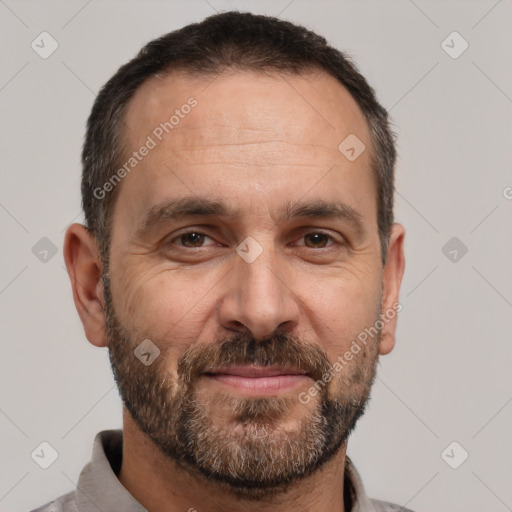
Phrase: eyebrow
(178,209)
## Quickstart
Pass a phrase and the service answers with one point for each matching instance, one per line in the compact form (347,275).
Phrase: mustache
(276,350)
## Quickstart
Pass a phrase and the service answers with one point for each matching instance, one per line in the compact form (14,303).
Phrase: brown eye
(192,239)
(316,240)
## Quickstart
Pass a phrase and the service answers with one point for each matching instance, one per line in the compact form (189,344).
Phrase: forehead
(269,134)
(236,102)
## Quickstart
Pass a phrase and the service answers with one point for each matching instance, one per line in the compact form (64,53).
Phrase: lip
(258,380)
(256,371)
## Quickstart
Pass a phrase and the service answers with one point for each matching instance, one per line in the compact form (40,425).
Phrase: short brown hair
(234,41)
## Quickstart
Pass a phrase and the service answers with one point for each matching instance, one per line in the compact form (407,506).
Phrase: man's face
(261,152)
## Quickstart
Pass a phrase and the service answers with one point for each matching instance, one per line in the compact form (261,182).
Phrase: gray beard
(256,458)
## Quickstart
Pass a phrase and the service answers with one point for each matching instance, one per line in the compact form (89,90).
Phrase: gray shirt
(99,489)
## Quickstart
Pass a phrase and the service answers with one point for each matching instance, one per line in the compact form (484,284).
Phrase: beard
(244,444)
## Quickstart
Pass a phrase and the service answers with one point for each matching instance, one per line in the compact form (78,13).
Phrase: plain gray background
(449,376)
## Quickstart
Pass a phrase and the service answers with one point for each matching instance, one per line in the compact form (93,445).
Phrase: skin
(256,142)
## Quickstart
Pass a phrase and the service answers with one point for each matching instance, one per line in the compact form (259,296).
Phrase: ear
(84,268)
(392,279)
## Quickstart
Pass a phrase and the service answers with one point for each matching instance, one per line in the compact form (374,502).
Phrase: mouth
(258,380)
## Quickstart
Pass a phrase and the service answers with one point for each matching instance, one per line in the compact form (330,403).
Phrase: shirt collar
(99,490)
(353,489)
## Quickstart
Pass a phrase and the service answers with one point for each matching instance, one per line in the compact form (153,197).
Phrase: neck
(159,484)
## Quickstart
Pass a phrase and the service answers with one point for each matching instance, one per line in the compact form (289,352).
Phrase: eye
(317,240)
(197,240)
(191,239)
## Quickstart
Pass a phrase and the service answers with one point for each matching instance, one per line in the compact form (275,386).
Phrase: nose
(259,297)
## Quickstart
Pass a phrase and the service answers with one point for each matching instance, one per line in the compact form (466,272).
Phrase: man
(241,264)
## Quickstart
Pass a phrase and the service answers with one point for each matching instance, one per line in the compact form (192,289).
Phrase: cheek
(343,310)
(164,306)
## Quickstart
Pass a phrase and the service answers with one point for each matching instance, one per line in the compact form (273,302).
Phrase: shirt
(99,489)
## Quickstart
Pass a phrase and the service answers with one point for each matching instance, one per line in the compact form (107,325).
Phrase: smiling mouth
(258,380)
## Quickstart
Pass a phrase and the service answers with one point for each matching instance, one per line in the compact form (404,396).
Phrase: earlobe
(392,279)
(84,268)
